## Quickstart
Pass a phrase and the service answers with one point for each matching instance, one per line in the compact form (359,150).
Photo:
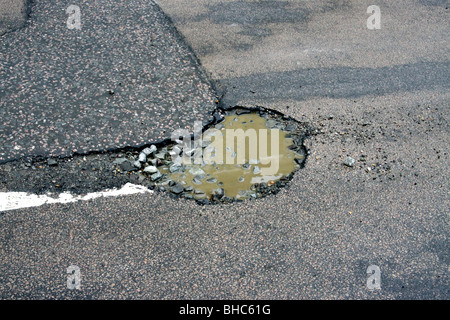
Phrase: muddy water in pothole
(242,151)
(246,155)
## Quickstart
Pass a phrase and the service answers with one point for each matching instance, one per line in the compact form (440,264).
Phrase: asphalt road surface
(122,79)
(379,96)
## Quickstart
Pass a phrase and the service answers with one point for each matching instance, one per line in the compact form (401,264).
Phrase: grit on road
(378,96)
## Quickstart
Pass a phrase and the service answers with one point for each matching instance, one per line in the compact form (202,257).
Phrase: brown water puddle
(237,178)
(247,155)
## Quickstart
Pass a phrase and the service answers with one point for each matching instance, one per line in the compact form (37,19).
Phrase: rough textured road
(379,96)
(122,79)
(13,14)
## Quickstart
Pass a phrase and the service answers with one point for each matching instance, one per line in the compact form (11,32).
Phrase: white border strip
(17,200)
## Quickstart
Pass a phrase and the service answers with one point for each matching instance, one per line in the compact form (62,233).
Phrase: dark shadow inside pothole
(267,149)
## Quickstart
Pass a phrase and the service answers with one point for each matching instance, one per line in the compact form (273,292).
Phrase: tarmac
(378,96)
(122,79)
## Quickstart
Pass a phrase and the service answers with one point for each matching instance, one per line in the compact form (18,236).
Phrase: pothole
(205,166)
(244,154)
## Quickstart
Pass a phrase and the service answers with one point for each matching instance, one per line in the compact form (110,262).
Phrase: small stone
(298,142)
(141,177)
(175,168)
(256,170)
(142,157)
(218,193)
(160,155)
(175,152)
(243,111)
(52,162)
(200,177)
(188,152)
(349,162)
(241,179)
(177,188)
(227,199)
(211,180)
(271,123)
(196,171)
(172,154)
(177,160)
(289,127)
(150,150)
(156,176)
(137,164)
(188,189)
(151,169)
(279,126)
(176,149)
(246,166)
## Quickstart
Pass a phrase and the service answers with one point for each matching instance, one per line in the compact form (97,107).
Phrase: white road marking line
(17,200)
